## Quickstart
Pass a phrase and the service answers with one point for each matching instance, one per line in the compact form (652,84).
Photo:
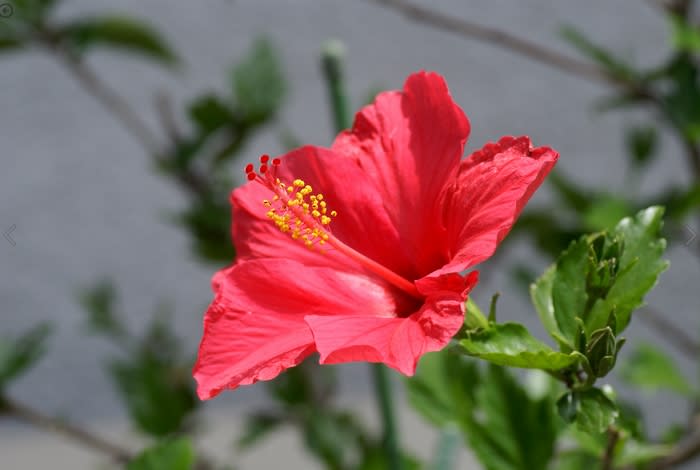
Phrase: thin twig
(609,455)
(685,451)
(504,40)
(83,437)
(123,112)
(675,335)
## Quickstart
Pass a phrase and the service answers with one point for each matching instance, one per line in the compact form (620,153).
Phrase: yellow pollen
(294,209)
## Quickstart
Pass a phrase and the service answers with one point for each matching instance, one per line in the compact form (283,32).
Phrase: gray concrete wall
(86,204)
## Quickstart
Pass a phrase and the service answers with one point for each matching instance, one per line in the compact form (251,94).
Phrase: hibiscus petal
(397,342)
(409,143)
(491,189)
(255,327)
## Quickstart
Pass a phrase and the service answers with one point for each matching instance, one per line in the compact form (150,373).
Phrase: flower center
(305,216)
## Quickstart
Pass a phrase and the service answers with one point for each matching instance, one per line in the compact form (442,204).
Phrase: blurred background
(108,226)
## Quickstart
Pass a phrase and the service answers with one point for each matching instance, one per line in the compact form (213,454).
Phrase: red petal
(255,327)
(492,187)
(397,342)
(409,143)
(362,220)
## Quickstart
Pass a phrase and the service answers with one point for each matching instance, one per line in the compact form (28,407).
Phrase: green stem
(332,65)
(382,390)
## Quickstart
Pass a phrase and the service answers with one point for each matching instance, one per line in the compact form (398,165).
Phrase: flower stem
(382,389)
(332,64)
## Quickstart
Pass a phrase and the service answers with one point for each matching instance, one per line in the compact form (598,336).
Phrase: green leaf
(510,344)
(569,295)
(500,427)
(19,354)
(639,268)
(685,36)
(98,301)
(257,426)
(474,317)
(442,388)
(210,113)
(642,143)
(604,213)
(118,32)
(541,295)
(635,453)
(651,369)
(174,454)
(590,410)
(613,65)
(155,384)
(258,82)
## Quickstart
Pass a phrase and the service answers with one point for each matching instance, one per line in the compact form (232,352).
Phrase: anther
(264,159)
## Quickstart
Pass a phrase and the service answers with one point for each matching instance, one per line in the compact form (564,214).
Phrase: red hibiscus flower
(354,251)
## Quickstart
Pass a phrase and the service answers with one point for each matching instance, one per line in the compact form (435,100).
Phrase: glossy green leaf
(591,410)
(651,369)
(118,32)
(174,454)
(510,344)
(541,295)
(639,268)
(19,354)
(258,82)
(569,295)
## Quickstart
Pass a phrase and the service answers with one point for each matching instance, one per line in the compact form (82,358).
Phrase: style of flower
(355,251)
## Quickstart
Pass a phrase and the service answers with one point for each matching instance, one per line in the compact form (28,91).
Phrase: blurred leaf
(604,212)
(639,268)
(642,143)
(34,12)
(590,410)
(209,223)
(681,100)
(575,460)
(613,65)
(98,301)
(442,389)
(155,384)
(8,44)
(210,113)
(650,368)
(510,344)
(569,193)
(173,454)
(375,459)
(257,426)
(495,413)
(500,430)
(684,36)
(119,32)
(19,354)
(258,82)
